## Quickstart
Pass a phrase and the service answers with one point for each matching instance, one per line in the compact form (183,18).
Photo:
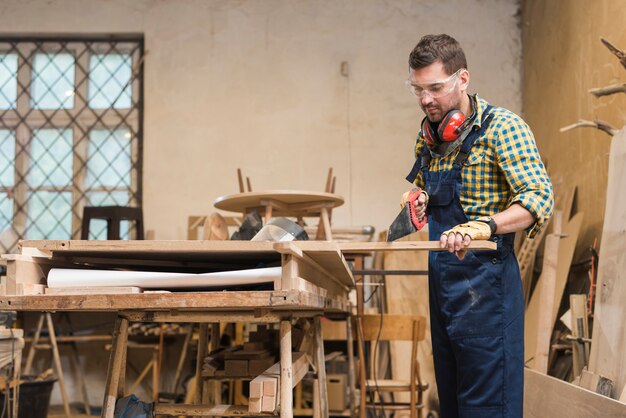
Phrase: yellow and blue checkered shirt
(504,167)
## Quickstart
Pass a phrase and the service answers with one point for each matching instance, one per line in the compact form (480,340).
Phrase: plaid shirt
(504,167)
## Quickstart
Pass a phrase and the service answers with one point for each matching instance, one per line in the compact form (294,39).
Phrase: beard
(435,111)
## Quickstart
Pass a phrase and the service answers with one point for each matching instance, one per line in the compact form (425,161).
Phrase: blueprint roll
(59,278)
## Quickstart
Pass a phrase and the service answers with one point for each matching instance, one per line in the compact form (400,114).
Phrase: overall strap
(421,163)
(464,152)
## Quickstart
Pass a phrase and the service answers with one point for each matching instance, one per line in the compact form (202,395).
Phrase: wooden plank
(207,410)
(545,396)
(118,350)
(356,247)
(325,255)
(92,290)
(580,329)
(567,245)
(608,346)
(173,246)
(547,300)
(234,301)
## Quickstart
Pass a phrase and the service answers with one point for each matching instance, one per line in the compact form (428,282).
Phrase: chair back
(394,327)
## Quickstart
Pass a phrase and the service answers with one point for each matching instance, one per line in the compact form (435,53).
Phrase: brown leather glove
(473,229)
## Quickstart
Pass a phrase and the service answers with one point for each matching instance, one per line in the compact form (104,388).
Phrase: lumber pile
(250,359)
(265,388)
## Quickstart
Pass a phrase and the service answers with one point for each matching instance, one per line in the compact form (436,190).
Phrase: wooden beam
(207,410)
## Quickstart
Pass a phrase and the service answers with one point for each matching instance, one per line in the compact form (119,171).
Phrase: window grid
(106,171)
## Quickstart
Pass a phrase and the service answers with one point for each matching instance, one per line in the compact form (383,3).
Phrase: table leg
(201,354)
(118,350)
(57,364)
(320,363)
(286,371)
(351,374)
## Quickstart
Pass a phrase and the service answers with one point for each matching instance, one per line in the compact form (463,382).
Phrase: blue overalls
(476,307)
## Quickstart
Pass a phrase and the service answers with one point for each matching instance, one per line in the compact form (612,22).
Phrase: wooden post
(33,345)
(57,364)
(200,355)
(321,368)
(351,369)
(118,349)
(286,371)
(182,358)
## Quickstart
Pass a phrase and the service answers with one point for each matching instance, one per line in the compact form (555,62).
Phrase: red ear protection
(449,129)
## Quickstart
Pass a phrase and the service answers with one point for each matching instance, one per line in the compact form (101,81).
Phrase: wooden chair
(394,328)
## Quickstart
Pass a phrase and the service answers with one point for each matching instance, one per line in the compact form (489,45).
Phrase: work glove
(420,203)
(458,238)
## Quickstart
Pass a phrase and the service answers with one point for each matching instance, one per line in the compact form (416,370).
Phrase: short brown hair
(433,48)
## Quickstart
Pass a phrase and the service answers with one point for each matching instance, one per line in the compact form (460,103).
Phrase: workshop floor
(56,411)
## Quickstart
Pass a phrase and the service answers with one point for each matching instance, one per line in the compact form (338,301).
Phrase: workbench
(312,284)
(315,280)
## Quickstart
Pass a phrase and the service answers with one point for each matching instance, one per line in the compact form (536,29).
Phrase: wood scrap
(598,124)
(621,56)
(580,333)
(608,347)
(547,301)
(265,388)
(545,396)
(567,245)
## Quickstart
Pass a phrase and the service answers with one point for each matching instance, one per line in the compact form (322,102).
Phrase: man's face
(437,91)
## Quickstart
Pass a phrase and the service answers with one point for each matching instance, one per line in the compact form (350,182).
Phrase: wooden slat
(207,410)
(545,396)
(394,327)
(349,247)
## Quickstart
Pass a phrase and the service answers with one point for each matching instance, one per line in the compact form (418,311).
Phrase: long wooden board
(226,301)
(608,346)
(545,396)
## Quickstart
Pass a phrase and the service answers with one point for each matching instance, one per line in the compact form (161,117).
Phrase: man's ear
(464,79)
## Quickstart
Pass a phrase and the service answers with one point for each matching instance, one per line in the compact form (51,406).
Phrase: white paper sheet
(157,280)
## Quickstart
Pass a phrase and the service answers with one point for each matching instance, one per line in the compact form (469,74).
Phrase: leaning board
(608,346)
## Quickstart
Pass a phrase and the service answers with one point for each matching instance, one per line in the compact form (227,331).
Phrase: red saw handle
(413,195)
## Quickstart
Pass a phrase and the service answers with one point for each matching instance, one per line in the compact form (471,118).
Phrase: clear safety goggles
(435,89)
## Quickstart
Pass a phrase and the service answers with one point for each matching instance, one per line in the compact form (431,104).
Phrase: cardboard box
(337,388)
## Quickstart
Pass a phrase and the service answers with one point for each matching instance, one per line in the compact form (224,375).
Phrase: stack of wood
(265,388)
(250,359)
(11,345)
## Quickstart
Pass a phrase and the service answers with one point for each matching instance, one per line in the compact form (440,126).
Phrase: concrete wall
(563,59)
(257,85)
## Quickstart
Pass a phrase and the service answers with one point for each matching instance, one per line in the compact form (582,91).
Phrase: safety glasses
(435,89)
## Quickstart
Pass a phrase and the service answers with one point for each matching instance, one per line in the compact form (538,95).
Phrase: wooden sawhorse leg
(320,392)
(286,371)
(117,367)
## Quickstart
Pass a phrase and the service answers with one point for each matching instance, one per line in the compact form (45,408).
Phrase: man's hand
(458,238)
(420,203)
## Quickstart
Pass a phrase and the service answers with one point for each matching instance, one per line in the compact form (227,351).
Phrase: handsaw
(407,222)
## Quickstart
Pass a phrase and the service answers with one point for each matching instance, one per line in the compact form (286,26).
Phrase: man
(483,179)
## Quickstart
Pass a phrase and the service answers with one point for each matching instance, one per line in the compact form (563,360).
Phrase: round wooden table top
(283,202)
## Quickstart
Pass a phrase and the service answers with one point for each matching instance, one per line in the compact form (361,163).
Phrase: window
(70,134)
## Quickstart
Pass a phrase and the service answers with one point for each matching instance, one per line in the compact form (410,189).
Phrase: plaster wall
(256,84)
(562,59)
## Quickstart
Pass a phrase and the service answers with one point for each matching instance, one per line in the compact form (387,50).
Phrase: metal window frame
(81,118)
